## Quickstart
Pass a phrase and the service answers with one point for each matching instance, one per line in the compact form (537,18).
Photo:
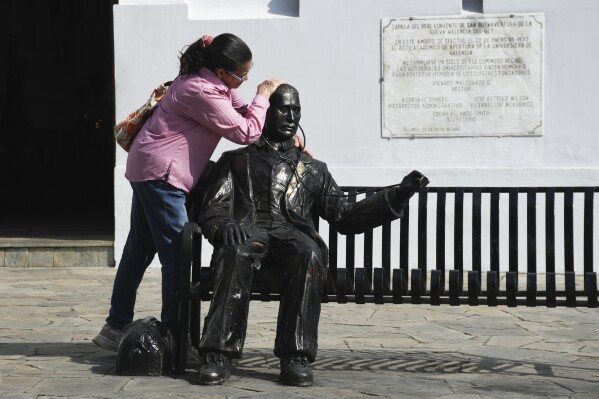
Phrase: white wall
(331,53)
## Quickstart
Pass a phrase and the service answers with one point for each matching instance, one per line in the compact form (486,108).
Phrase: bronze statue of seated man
(260,205)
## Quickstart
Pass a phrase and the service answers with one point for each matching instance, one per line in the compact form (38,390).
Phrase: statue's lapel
(293,189)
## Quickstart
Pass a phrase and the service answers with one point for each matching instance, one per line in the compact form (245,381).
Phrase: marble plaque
(462,76)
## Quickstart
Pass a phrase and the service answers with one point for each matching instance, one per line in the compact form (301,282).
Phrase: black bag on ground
(146,349)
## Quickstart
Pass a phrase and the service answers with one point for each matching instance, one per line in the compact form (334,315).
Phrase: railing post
(531,246)
(550,288)
(590,278)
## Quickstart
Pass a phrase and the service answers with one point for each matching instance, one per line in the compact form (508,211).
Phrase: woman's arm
(219,111)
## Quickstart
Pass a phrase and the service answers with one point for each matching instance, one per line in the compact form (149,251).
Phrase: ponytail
(225,51)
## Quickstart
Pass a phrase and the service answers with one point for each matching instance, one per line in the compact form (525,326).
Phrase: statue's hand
(411,183)
(232,233)
(415,179)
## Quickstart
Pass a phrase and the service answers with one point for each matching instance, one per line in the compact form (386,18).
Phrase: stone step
(88,251)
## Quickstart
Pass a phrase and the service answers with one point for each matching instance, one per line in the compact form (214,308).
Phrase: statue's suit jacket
(310,192)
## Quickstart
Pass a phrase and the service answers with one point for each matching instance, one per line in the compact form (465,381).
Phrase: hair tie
(206,40)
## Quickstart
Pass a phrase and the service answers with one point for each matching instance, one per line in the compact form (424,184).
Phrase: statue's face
(283,116)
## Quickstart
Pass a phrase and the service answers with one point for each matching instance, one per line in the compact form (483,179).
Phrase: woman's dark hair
(226,51)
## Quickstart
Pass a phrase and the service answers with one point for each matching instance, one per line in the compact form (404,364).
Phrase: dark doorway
(56,117)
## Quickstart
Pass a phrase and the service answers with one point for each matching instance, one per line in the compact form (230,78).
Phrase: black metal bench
(387,283)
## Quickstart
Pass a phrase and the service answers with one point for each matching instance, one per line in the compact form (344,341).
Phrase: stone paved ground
(48,317)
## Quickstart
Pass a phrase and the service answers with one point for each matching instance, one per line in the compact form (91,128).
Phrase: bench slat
(589,197)
(550,231)
(422,234)
(386,254)
(569,229)
(404,247)
(440,264)
(513,230)
(458,231)
(531,230)
(476,230)
(494,225)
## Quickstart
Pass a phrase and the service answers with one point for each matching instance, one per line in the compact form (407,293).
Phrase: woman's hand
(298,142)
(269,86)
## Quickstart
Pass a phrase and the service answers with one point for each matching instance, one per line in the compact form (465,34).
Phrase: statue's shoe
(296,371)
(214,369)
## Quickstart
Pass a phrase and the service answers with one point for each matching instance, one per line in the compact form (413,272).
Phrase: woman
(168,157)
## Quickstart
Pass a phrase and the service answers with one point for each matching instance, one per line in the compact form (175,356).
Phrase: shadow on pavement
(255,364)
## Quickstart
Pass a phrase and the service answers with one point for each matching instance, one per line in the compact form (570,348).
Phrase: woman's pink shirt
(176,143)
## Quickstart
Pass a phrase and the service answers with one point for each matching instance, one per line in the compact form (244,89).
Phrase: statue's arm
(372,211)
(217,210)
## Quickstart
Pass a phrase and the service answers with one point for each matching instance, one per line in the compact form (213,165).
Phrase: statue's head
(283,115)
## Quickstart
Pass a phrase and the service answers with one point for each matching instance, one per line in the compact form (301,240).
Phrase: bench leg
(398,285)
(417,284)
(492,288)
(511,285)
(380,285)
(550,299)
(590,287)
(473,288)
(436,286)
(531,289)
(455,287)
(183,296)
(570,289)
